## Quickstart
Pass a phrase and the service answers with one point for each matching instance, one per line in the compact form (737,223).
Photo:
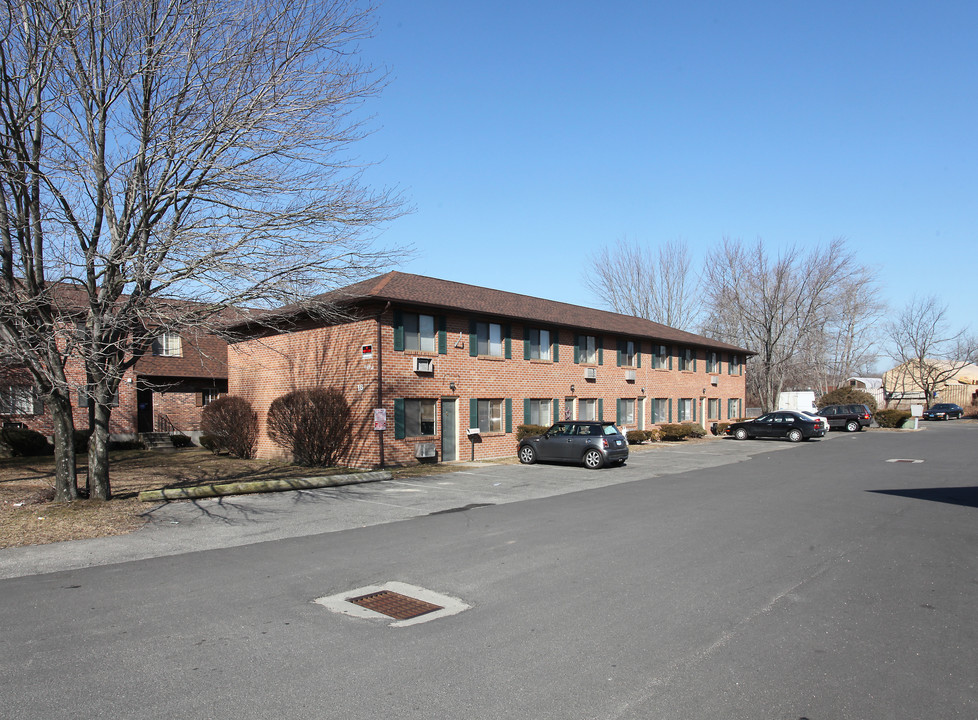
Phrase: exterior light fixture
(451,386)
(572,388)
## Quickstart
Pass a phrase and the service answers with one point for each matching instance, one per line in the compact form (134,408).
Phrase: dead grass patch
(29,517)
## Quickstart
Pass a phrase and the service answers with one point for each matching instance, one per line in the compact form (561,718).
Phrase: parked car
(593,443)
(943,411)
(851,418)
(795,426)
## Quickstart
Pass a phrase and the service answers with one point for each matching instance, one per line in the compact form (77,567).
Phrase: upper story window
(660,357)
(712,362)
(490,339)
(733,367)
(168,345)
(687,359)
(587,351)
(539,341)
(628,354)
(419,332)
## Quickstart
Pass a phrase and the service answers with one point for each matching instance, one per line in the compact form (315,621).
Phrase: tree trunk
(98,455)
(65,470)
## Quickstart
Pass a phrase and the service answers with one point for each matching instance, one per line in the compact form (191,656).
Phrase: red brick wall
(262,369)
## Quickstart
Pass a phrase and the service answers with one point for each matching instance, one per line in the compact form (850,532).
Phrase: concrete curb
(262,486)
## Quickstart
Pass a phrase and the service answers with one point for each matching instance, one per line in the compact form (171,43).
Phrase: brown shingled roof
(427,292)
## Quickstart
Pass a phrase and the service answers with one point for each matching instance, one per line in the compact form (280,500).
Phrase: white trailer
(800,400)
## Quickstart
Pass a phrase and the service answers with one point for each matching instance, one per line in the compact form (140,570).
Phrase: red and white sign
(380,419)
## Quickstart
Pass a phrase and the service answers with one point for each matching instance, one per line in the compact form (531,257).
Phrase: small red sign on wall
(367,351)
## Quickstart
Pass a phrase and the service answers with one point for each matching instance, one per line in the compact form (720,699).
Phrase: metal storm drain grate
(404,604)
(397,606)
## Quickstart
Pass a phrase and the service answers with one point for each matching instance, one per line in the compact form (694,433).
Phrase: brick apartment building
(164,391)
(438,358)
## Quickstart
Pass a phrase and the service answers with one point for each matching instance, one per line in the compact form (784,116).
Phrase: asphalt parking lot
(187,526)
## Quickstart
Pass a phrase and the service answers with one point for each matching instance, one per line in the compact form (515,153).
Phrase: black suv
(851,418)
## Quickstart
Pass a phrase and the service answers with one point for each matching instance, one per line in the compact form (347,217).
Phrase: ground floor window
(490,415)
(587,409)
(733,408)
(419,417)
(208,396)
(626,412)
(539,412)
(684,410)
(568,408)
(713,408)
(661,412)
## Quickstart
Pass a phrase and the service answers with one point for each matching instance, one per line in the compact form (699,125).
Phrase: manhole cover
(395,605)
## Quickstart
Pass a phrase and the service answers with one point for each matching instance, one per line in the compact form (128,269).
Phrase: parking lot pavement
(205,524)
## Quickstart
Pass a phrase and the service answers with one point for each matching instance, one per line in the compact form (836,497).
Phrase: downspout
(380,377)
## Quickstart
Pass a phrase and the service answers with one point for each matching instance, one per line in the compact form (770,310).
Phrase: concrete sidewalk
(186,526)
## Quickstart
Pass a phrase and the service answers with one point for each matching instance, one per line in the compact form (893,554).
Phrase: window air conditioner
(425,450)
(630,375)
(591,373)
(424,365)
(714,380)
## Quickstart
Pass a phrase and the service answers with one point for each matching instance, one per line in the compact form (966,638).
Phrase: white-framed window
(168,345)
(627,412)
(209,395)
(733,408)
(539,344)
(685,359)
(684,410)
(490,339)
(713,408)
(628,354)
(660,411)
(540,412)
(490,415)
(733,367)
(712,362)
(419,332)
(660,357)
(419,417)
(587,409)
(17,400)
(588,353)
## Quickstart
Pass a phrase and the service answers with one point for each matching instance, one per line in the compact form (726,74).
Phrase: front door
(144,410)
(449,429)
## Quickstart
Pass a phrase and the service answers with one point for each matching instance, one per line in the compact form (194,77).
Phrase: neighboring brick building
(165,391)
(441,357)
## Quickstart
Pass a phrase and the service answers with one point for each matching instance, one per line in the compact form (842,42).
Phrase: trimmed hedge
(891,418)
(26,443)
(672,432)
(523,431)
(181,441)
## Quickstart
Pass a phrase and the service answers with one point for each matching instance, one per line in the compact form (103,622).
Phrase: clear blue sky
(527,135)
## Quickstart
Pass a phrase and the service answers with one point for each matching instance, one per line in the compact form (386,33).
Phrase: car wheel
(852,426)
(593,460)
(740,434)
(795,435)
(528,455)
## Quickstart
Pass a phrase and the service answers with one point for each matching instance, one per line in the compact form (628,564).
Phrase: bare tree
(928,350)
(655,284)
(163,150)
(776,306)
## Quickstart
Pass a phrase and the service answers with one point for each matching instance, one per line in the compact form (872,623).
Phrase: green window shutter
(669,403)
(526,343)
(694,359)
(507,341)
(621,351)
(577,349)
(398,330)
(473,341)
(600,409)
(474,413)
(509,415)
(399,421)
(442,335)
(526,411)
(600,341)
(554,344)
(556,410)
(694,404)
(618,411)
(669,352)
(638,353)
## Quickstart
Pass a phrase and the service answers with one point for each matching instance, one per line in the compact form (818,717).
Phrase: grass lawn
(28,517)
